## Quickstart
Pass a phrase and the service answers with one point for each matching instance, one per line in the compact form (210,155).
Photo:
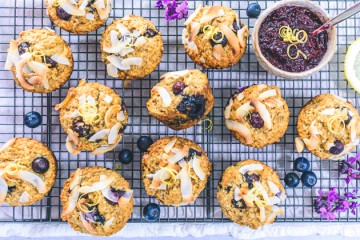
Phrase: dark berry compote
(274,48)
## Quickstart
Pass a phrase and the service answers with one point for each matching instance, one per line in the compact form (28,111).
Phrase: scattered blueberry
(40,165)
(62,14)
(32,119)
(292,180)
(23,47)
(241,89)
(308,179)
(81,128)
(337,148)
(94,215)
(217,37)
(192,106)
(253,10)
(125,156)
(151,212)
(178,87)
(256,121)
(236,26)
(51,63)
(11,189)
(251,178)
(150,33)
(144,142)
(301,164)
(238,204)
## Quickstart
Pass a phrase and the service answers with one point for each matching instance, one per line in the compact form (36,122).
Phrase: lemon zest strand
(331,121)
(208,124)
(293,37)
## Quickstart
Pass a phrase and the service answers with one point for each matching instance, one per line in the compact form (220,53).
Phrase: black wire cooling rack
(222,150)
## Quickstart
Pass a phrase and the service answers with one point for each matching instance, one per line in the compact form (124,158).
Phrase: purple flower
(349,168)
(159,4)
(173,9)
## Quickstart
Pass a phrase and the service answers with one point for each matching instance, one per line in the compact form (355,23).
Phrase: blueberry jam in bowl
(284,43)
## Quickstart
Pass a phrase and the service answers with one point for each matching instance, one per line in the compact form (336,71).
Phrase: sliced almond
(195,28)
(232,38)
(218,51)
(267,94)
(240,129)
(264,113)
(210,15)
(299,144)
(71,93)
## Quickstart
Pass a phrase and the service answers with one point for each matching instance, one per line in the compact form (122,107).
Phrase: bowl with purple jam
(284,42)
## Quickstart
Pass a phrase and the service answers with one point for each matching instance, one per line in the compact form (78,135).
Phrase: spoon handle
(339,18)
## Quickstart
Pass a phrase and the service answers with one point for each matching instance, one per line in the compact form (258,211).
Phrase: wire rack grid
(221,148)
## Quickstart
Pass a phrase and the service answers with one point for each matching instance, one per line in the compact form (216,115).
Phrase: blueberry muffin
(257,115)
(94,117)
(40,60)
(181,99)
(175,170)
(131,48)
(97,201)
(249,192)
(79,16)
(328,126)
(27,171)
(214,37)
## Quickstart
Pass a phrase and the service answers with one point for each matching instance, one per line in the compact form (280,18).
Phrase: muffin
(257,116)
(249,192)
(131,48)
(94,117)
(214,37)
(328,126)
(181,99)
(40,60)
(79,16)
(97,201)
(175,170)
(27,171)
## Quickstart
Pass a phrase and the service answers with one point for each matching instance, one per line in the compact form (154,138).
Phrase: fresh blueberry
(238,204)
(178,87)
(337,148)
(256,121)
(253,10)
(236,26)
(251,178)
(292,180)
(151,212)
(150,33)
(23,47)
(32,119)
(81,128)
(62,14)
(51,63)
(11,189)
(217,37)
(125,156)
(144,142)
(192,106)
(40,165)
(301,164)
(308,179)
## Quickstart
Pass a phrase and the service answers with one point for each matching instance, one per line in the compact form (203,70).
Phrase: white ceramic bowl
(294,75)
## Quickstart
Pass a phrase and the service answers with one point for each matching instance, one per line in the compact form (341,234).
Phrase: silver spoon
(339,18)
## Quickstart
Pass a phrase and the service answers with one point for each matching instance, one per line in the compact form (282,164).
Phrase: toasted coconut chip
(32,179)
(140,41)
(227,111)
(83,5)
(347,148)
(193,15)
(264,113)
(25,197)
(221,13)
(262,214)
(107,225)
(76,180)
(60,59)
(273,102)
(113,110)
(210,15)
(90,100)
(114,132)
(243,110)
(251,167)
(240,129)
(97,186)
(197,168)
(171,74)
(340,98)
(273,187)
(242,35)
(73,136)
(82,99)
(73,197)
(150,175)
(161,187)
(114,37)
(70,147)
(164,94)
(108,99)
(276,211)
(13,55)
(328,111)
(101,9)
(99,135)
(274,200)
(104,149)
(267,94)
(299,144)
(190,45)
(87,225)
(122,29)
(116,48)
(218,51)
(230,35)
(236,193)
(158,176)
(71,9)
(240,96)
(186,185)
(69,96)
(195,28)
(3,190)
(125,51)
(328,145)
(169,145)
(117,62)
(132,61)
(121,116)
(262,190)
(45,83)
(353,132)
(7,144)
(312,129)
(112,70)
(125,199)
(183,152)
(19,74)
(312,143)
(35,80)
(106,192)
